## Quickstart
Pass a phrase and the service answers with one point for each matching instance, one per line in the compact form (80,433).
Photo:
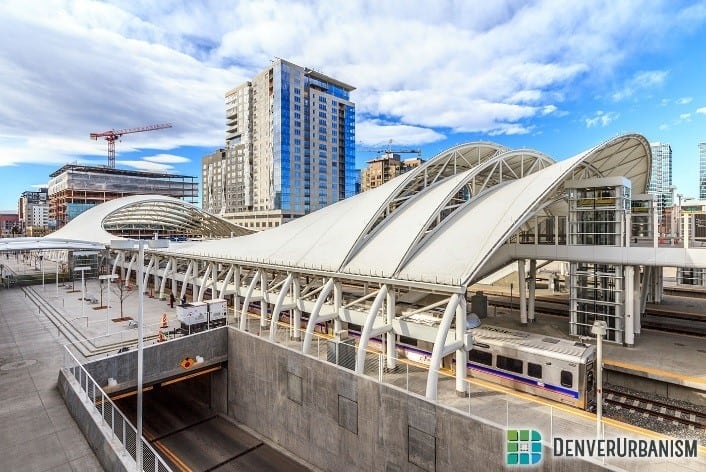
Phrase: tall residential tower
(661,176)
(290,148)
(702,171)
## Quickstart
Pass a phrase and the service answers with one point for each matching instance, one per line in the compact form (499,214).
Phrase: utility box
(217,311)
(192,315)
(479,305)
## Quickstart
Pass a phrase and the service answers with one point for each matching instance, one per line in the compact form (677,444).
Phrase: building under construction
(74,188)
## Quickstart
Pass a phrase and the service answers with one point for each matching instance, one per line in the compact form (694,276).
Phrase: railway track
(654,318)
(661,411)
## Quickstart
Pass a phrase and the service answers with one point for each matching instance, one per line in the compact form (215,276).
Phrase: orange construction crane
(114,134)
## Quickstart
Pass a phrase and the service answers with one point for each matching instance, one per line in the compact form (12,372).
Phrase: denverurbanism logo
(524,447)
(624,447)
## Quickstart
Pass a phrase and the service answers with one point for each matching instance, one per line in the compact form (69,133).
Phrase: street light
(82,269)
(599,328)
(109,278)
(41,266)
(131,244)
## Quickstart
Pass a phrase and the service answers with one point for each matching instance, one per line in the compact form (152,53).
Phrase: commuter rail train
(558,369)
(562,370)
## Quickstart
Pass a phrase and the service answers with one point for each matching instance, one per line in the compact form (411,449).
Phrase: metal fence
(112,418)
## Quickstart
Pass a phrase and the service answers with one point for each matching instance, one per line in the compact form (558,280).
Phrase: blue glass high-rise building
(702,171)
(661,175)
(290,148)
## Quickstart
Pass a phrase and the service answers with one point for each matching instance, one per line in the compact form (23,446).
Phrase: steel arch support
(146,273)
(314,316)
(297,319)
(204,282)
(461,354)
(185,282)
(265,299)
(440,346)
(165,276)
(118,256)
(246,302)
(226,281)
(278,305)
(133,259)
(367,329)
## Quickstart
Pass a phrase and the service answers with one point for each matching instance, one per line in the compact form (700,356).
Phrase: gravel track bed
(651,422)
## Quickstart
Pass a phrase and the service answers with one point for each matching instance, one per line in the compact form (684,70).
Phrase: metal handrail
(78,368)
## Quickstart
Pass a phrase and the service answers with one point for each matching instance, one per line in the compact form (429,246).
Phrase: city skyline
(542,75)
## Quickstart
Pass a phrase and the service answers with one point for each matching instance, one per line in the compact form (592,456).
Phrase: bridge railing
(111,416)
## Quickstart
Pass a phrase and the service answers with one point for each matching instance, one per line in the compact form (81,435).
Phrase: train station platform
(671,358)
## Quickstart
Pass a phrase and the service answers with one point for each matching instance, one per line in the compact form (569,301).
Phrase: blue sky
(554,76)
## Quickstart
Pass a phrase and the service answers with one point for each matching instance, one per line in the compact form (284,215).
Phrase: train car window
(407,340)
(567,379)
(534,370)
(508,363)
(481,357)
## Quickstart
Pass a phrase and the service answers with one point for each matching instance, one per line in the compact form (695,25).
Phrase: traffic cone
(164,321)
(161,338)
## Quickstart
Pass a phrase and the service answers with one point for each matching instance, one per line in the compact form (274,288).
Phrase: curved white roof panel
(428,226)
(147,213)
(439,223)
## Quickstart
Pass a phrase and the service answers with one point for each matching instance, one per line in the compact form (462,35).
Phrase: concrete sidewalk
(37,433)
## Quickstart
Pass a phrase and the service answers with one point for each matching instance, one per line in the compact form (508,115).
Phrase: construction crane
(389,150)
(114,134)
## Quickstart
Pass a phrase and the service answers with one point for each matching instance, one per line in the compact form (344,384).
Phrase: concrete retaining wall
(337,420)
(656,386)
(109,451)
(161,361)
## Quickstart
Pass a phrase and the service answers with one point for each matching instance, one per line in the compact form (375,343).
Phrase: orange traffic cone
(164,321)
(161,337)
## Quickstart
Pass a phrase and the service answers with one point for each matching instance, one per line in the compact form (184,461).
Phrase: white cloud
(641,81)
(601,118)
(147,165)
(663,127)
(701,110)
(167,159)
(685,116)
(78,66)
(684,100)
(379,133)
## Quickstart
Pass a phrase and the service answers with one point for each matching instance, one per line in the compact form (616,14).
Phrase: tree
(122,290)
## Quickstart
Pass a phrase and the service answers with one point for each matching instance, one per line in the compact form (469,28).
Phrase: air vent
(550,340)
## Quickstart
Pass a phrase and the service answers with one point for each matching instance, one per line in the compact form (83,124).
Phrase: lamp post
(599,328)
(109,278)
(57,275)
(41,266)
(82,269)
(140,244)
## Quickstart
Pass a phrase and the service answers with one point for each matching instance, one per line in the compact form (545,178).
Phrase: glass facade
(661,176)
(702,171)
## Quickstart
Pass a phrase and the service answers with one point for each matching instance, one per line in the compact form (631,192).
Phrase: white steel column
(214,280)
(462,353)
(532,288)
(185,280)
(278,305)
(165,276)
(118,256)
(314,316)
(440,347)
(246,302)
(265,299)
(390,336)
(337,302)
(297,321)
(686,230)
(366,333)
(522,289)
(133,259)
(146,273)
(629,278)
(204,283)
(155,276)
(637,298)
(226,281)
